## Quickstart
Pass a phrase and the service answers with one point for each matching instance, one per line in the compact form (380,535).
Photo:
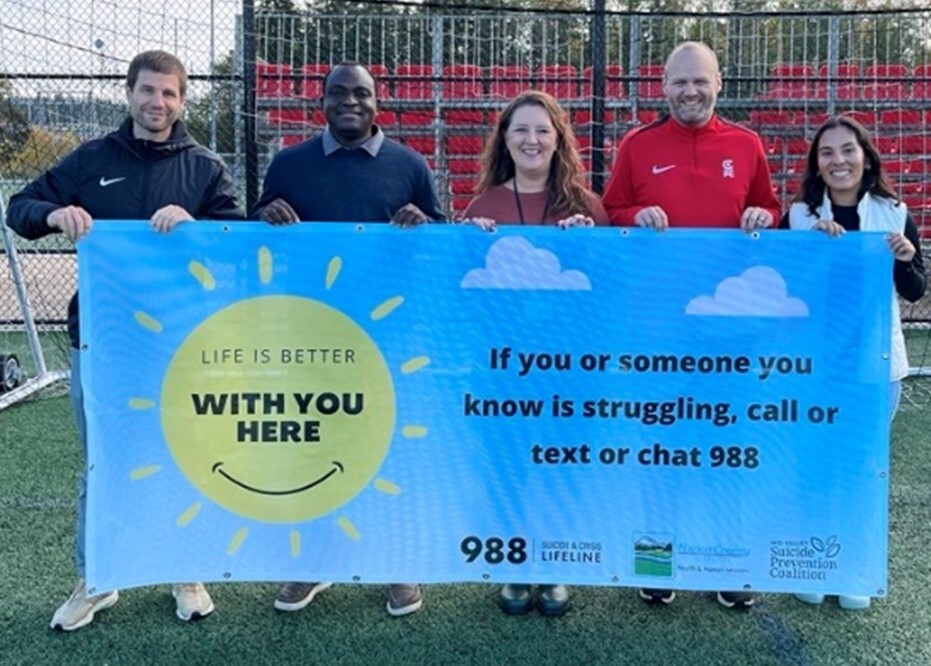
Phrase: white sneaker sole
(103,604)
(196,615)
(405,610)
(298,605)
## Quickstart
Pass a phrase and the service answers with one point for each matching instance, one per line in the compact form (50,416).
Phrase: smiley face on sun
(279,408)
(262,451)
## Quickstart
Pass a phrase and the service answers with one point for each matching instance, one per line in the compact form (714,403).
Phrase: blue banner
(693,410)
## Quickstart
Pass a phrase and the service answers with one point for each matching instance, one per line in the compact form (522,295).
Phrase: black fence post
(248,77)
(598,96)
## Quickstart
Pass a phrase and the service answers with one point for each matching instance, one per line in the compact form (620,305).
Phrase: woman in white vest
(845,189)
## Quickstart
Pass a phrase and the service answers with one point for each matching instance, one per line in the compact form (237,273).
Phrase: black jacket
(121,177)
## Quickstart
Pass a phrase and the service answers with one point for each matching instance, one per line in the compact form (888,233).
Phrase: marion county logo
(804,560)
(654,555)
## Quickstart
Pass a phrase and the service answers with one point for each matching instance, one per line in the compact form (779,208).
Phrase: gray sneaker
(79,609)
(294,596)
(404,599)
(192,601)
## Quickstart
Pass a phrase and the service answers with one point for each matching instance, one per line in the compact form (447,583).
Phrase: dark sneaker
(553,600)
(736,600)
(294,596)
(80,608)
(515,599)
(404,599)
(654,596)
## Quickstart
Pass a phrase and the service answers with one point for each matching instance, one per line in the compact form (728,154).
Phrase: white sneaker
(192,600)
(853,603)
(810,598)
(79,610)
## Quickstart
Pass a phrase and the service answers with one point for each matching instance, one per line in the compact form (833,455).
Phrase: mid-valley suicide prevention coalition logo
(813,559)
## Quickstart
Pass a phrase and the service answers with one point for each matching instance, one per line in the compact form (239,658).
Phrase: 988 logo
(494,550)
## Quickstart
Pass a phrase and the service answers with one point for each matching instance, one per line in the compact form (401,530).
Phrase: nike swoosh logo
(661,169)
(109,181)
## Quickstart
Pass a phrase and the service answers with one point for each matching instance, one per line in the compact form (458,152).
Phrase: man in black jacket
(150,168)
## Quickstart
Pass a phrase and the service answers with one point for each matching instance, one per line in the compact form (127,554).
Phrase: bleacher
(446,113)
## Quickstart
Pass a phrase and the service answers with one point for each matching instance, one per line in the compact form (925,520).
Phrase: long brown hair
(874,180)
(565,184)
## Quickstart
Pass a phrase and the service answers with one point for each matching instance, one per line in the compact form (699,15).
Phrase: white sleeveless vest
(876,214)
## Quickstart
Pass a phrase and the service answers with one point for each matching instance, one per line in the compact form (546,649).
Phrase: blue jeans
(77,404)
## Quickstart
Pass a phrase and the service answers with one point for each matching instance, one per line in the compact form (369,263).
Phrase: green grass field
(459,624)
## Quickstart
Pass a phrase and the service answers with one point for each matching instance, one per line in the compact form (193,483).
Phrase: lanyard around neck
(520,209)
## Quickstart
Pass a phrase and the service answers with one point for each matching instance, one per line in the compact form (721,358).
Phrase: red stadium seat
(773,145)
(797,146)
(918,167)
(887,145)
(413,82)
(777,118)
(381,74)
(387,119)
(311,86)
(462,82)
(416,118)
(464,145)
(273,81)
(508,81)
(914,144)
(900,117)
(460,167)
(288,140)
(286,117)
(425,145)
(318,118)
(464,117)
(614,82)
(460,203)
(884,91)
(584,117)
(894,166)
(921,89)
(792,71)
(887,71)
(462,185)
(651,81)
(848,91)
(647,116)
(560,81)
(846,72)
(865,118)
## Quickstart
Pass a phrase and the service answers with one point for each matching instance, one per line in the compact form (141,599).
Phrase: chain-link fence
(256,82)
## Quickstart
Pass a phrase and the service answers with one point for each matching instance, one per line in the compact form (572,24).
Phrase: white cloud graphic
(514,263)
(757,292)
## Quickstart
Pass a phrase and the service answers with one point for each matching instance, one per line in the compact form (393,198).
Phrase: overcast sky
(94,36)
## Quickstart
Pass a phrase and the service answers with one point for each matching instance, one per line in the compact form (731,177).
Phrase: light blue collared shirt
(372,145)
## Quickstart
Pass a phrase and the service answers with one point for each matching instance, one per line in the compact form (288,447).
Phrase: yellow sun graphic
(280,409)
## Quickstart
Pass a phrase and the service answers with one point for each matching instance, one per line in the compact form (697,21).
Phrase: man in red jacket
(691,168)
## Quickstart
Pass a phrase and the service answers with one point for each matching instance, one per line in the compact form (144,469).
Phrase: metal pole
(248,77)
(598,96)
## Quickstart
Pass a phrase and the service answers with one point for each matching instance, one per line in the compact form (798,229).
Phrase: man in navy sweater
(350,173)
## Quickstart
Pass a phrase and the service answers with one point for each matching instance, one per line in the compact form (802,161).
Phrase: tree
(40,150)
(14,129)
(217,106)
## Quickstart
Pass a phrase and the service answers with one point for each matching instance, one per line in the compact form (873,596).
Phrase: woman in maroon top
(532,174)
(531,171)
